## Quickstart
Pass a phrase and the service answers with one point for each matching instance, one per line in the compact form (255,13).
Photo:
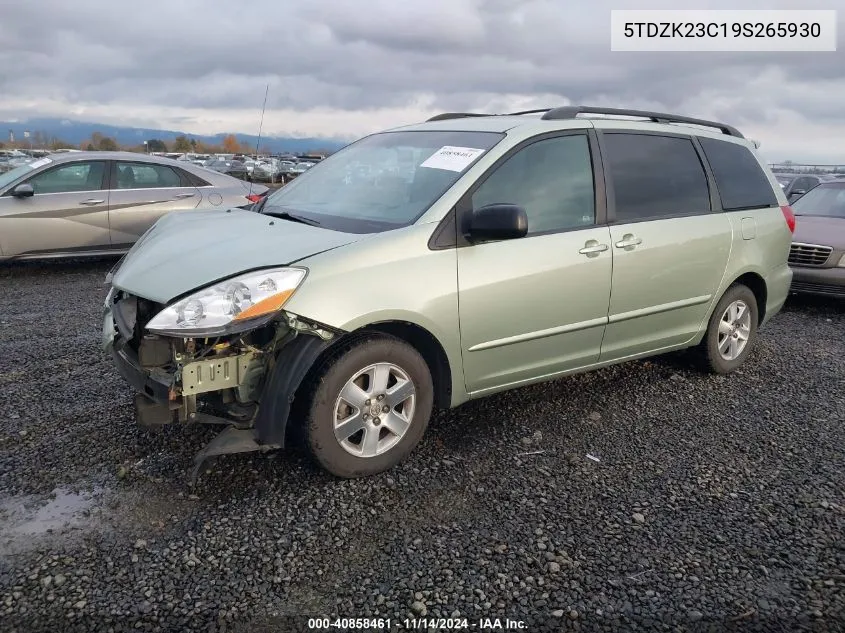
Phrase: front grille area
(131,315)
(809,255)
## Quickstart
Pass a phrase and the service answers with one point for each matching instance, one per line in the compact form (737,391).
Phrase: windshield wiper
(286,215)
(261,204)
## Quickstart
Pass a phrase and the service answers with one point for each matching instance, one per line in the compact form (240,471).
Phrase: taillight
(254,197)
(789,216)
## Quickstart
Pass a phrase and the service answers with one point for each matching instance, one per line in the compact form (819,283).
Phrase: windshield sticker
(452,158)
(40,163)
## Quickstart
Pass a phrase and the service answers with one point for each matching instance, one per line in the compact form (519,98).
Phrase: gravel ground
(641,497)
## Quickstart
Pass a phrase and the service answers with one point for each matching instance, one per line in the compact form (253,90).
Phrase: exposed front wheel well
(756,284)
(305,358)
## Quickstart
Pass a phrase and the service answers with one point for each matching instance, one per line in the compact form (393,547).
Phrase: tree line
(103,143)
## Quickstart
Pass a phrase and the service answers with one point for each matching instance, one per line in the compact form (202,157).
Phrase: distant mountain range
(76,132)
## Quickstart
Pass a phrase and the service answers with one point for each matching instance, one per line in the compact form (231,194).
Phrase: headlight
(841,263)
(241,303)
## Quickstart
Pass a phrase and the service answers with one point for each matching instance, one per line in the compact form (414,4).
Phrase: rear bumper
(819,281)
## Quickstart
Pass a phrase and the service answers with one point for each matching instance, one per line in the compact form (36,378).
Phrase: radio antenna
(260,127)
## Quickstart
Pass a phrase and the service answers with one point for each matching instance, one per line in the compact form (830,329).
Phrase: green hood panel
(187,251)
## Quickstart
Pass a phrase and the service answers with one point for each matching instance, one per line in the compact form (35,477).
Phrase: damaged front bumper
(225,381)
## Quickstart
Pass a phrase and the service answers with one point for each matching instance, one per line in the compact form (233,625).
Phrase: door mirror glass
(497,222)
(24,190)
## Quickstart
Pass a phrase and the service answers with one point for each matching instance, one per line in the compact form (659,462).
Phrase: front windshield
(382,182)
(12,175)
(827,200)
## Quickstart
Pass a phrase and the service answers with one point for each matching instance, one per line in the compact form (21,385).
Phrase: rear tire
(731,331)
(367,407)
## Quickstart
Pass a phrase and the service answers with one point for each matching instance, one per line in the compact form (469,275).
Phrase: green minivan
(435,263)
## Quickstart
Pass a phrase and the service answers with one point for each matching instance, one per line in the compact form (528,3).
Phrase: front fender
(390,277)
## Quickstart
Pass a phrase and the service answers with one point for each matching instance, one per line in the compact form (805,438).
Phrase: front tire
(731,331)
(367,407)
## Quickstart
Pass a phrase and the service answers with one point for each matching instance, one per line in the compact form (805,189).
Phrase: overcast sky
(346,68)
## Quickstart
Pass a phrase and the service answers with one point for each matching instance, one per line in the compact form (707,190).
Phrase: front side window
(551,179)
(70,178)
(146,176)
(655,177)
(382,182)
(741,182)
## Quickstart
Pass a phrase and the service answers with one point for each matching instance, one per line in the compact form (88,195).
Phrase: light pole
(146,148)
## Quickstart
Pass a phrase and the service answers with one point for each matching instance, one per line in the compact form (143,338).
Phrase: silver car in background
(99,203)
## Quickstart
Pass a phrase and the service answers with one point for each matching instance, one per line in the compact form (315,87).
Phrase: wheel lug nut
(366,416)
(381,397)
(367,402)
(385,408)
(376,421)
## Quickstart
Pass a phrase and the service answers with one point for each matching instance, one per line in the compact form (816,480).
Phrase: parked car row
(256,169)
(9,159)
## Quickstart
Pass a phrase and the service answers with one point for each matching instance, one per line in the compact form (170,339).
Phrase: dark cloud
(352,57)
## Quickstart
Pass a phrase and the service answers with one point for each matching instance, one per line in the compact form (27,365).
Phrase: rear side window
(146,176)
(741,182)
(655,177)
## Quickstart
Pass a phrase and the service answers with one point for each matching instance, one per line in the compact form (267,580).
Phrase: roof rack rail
(538,111)
(455,115)
(570,112)
(462,115)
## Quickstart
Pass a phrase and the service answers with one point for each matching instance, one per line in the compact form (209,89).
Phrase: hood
(815,229)
(187,251)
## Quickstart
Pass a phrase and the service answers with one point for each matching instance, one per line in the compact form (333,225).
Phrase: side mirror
(497,222)
(24,190)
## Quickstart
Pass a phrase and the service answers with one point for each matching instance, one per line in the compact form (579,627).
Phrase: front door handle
(184,195)
(91,202)
(592,248)
(628,241)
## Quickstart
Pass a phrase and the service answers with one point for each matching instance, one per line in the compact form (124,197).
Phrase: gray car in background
(98,203)
(796,185)
(817,256)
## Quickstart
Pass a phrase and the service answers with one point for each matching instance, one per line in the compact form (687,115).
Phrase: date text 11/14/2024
(415,624)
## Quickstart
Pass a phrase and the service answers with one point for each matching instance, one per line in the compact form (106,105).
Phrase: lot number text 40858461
(419,624)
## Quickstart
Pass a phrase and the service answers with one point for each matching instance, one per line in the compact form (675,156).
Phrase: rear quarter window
(741,182)
(191,180)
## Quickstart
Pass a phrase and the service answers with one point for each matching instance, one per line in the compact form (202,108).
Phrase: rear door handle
(91,202)
(184,195)
(593,248)
(628,241)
